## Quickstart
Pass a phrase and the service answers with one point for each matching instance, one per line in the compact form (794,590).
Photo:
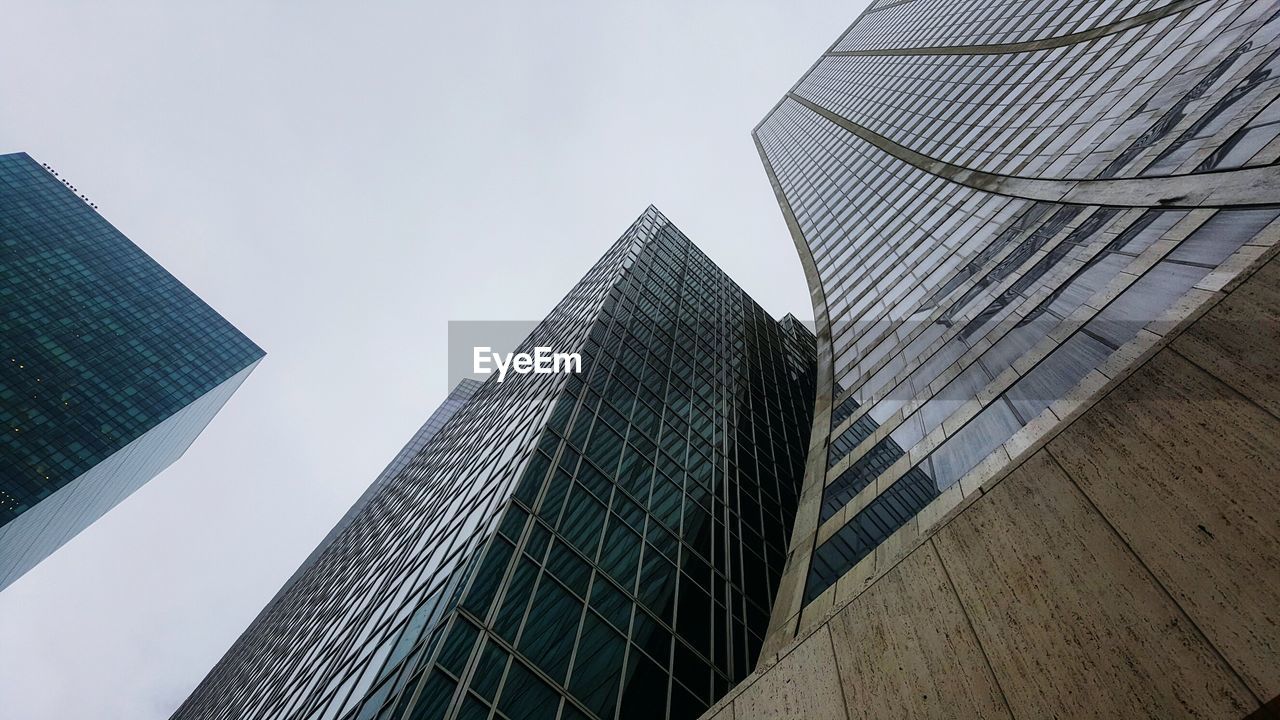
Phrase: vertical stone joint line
(839,676)
(1155,579)
(1004,698)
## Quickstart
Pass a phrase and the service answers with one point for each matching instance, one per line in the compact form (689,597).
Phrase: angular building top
(599,544)
(110,367)
(999,207)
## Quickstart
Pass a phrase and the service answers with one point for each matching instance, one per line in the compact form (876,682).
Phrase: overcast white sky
(340,180)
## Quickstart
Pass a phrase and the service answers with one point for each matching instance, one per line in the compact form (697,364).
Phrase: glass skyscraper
(1002,208)
(600,544)
(109,367)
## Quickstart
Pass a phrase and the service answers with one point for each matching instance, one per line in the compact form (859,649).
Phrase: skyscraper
(1011,215)
(110,367)
(597,544)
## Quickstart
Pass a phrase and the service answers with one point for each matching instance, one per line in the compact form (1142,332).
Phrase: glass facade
(604,544)
(110,367)
(1000,206)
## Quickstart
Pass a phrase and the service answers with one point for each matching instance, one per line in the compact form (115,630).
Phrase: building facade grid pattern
(629,573)
(963,322)
(101,346)
(101,343)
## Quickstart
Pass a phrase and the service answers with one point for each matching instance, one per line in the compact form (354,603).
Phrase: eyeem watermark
(542,361)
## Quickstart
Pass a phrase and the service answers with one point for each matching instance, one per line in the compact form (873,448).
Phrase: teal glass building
(109,367)
(602,544)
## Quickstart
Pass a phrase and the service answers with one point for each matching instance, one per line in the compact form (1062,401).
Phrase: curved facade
(1001,209)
